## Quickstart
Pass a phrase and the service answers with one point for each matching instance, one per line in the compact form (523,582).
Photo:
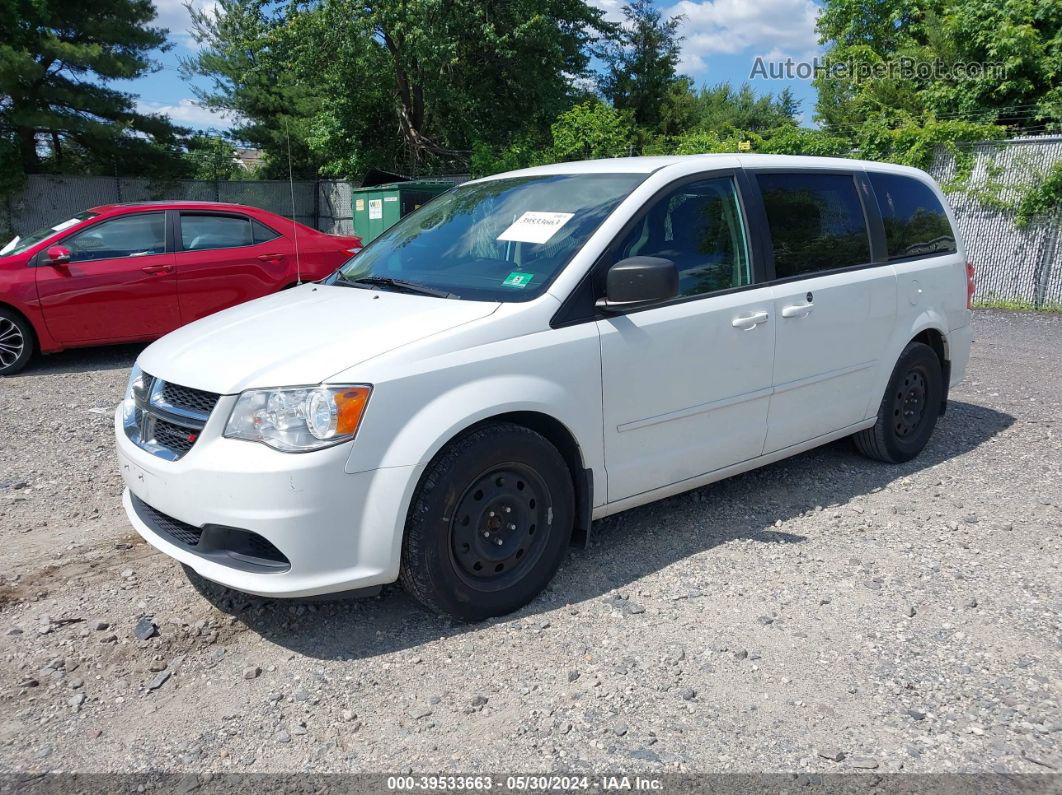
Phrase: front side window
(699,227)
(816,222)
(127,236)
(915,222)
(499,240)
(199,232)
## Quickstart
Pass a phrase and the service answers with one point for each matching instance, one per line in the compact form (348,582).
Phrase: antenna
(294,223)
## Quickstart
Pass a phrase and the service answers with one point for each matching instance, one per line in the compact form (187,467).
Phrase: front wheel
(16,342)
(908,411)
(489,523)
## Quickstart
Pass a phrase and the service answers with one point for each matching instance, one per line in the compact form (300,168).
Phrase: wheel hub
(909,406)
(12,343)
(500,523)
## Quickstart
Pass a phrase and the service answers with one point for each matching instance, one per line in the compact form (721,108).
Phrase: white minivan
(535,350)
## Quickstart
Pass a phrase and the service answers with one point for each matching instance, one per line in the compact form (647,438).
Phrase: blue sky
(722,39)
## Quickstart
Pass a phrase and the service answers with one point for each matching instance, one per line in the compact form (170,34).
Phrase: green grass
(1015,305)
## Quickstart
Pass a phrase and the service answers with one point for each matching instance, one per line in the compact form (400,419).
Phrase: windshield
(20,244)
(502,240)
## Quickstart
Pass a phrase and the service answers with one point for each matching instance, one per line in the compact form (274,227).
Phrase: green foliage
(640,73)
(725,110)
(1042,197)
(791,140)
(346,75)
(56,58)
(912,143)
(211,157)
(592,130)
(1022,36)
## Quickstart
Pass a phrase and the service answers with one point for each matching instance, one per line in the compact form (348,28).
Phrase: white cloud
(188,112)
(613,9)
(173,16)
(731,27)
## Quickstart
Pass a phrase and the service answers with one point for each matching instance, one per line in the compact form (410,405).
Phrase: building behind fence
(1013,265)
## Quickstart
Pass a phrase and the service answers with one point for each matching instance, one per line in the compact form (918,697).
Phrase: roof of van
(647,165)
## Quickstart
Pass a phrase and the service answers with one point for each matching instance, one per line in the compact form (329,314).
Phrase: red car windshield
(21,244)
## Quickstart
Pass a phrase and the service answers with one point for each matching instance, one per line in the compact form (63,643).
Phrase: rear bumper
(337,531)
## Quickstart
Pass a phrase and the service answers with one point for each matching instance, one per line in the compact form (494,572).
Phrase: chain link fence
(1014,265)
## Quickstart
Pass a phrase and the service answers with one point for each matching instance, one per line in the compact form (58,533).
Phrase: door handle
(749,322)
(269,257)
(798,310)
(157,269)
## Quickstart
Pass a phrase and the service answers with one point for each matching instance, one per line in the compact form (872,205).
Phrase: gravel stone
(900,673)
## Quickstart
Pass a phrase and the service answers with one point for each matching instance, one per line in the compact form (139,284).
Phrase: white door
(832,327)
(686,385)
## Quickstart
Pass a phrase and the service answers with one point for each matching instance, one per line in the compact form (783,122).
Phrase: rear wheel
(908,411)
(489,524)
(16,342)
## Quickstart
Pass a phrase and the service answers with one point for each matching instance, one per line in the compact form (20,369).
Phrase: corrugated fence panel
(334,202)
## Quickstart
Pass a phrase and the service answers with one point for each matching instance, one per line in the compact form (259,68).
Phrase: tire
(909,409)
(489,523)
(17,342)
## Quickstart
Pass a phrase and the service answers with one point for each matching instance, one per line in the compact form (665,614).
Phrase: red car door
(224,259)
(118,286)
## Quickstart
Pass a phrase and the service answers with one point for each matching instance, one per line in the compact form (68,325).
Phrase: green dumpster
(376,208)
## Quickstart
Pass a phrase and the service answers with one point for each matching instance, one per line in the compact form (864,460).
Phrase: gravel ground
(826,613)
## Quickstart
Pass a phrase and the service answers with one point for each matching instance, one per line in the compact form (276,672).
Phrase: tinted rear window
(915,222)
(816,222)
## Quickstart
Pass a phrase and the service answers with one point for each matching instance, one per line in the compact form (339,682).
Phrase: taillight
(970,286)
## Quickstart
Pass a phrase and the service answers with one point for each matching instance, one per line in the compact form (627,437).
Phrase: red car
(133,272)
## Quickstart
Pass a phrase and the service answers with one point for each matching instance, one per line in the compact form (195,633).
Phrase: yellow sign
(744,146)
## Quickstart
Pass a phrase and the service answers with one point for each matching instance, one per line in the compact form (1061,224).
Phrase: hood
(300,336)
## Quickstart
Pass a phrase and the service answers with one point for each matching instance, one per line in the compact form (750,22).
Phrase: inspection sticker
(535,227)
(517,279)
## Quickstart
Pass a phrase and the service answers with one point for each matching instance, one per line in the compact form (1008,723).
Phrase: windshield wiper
(396,284)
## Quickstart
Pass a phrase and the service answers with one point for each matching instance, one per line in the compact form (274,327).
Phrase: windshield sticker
(10,246)
(66,225)
(535,227)
(517,279)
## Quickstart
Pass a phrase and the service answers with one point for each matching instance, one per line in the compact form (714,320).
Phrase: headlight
(135,389)
(298,419)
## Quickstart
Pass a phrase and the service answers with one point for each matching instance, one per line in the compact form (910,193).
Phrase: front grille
(167,419)
(184,397)
(175,529)
(230,546)
(174,437)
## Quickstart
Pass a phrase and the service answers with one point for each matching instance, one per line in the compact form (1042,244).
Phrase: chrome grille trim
(167,420)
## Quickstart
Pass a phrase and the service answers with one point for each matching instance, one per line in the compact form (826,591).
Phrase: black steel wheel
(16,342)
(909,409)
(489,523)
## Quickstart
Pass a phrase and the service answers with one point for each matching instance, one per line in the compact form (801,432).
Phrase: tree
(592,130)
(405,84)
(724,109)
(55,60)
(211,157)
(938,41)
(641,64)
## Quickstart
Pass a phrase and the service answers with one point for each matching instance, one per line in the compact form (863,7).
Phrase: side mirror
(57,255)
(635,281)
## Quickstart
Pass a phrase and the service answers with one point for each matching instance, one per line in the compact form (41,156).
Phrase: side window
(816,222)
(699,227)
(263,233)
(126,236)
(915,222)
(200,231)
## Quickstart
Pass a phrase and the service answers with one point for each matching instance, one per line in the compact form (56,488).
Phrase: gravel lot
(826,613)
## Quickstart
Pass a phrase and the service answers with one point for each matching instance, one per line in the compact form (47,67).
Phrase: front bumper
(338,531)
